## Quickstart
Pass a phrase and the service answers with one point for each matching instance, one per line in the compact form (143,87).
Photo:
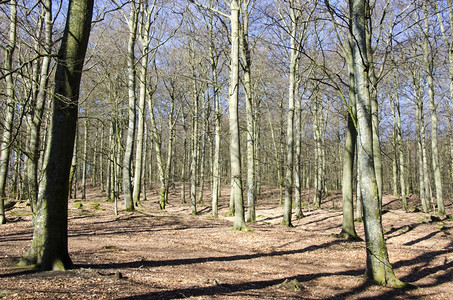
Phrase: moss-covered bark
(49,247)
(378,267)
(348,229)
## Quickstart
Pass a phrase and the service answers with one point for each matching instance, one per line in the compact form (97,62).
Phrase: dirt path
(152,254)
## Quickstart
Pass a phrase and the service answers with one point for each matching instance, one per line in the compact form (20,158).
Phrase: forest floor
(153,254)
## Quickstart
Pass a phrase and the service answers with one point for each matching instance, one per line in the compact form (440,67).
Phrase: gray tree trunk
(348,228)
(35,121)
(84,159)
(184,160)
(5,145)
(218,119)
(247,65)
(131,82)
(194,158)
(429,65)
(378,264)
(399,139)
(235,153)
(420,135)
(289,179)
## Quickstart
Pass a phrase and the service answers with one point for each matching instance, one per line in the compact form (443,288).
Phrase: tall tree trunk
(249,110)
(101,159)
(95,152)
(32,165)
(184,160)
(235,149)
(399,139)
(140,128)
(131,82)
(377,263)
(194,159)
(157,140)
(84,159)
(171,137)
(350,145)
(218,119)
(202,152)
(110,159)
(317,132)
(5,145)
(373,92)
(297,153)
(428,59)
(145,16)
(49,246)
(74,166)
(448,40)
(394,143)
(287,213)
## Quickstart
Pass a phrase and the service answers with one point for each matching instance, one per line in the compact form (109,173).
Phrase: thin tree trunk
(5,145)
(127,159)
(348,229)
(235,153)
(289,180)
(202,152)
(399,140)
(249,109)
(144,166)
(84,159)
(171,135)
(110,160)
(428,59)
(38,109)
(140,127)
(101,159)
(194,159)
(184,160)
(297,158)
(218,118)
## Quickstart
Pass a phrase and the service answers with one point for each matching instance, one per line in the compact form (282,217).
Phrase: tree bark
(350,145)
(289,176)
(399,139)
(218,119)
(247,65)
(38,105)
(428,59)
(131,70)
(378,265)
(49,247)
(84,159)
(235,153)
(5,145)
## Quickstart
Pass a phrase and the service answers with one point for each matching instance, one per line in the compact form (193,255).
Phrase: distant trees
(250,93)
(267,34)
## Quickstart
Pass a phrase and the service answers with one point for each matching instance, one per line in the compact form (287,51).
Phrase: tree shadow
(20,272)
(226,289)
(198,260)
(17,236)
(268,219)
(426,237)
(321,220)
